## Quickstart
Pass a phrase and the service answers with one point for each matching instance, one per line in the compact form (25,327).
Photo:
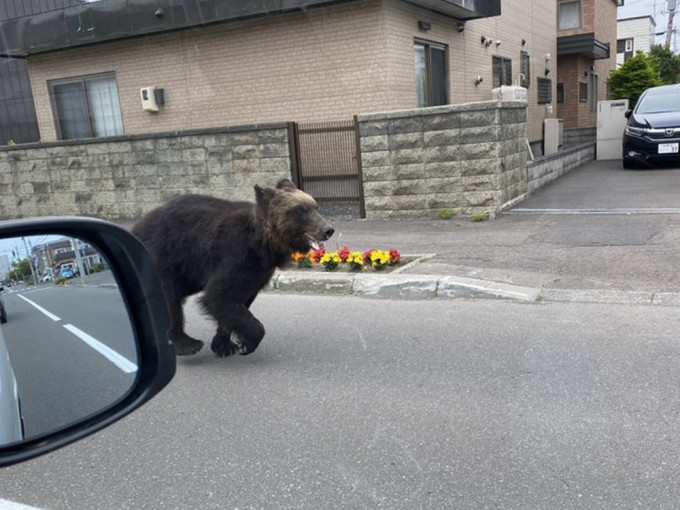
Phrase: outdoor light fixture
(478,80)
(460,27)
(486,41)
(424,26)
(498,43)
(547,71)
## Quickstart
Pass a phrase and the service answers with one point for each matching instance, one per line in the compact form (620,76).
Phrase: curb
(414,286)
(399,286)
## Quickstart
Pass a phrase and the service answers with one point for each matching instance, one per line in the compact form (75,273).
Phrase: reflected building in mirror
(73,254)
(5,266)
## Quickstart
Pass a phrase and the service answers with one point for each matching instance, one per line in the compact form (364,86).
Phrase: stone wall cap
(149,136)
(439,110)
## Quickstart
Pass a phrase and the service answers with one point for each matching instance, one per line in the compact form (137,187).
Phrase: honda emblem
(670,132)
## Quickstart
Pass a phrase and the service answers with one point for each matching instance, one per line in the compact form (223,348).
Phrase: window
(86,107)
(432,84)
(583,92)
(569,15)
(544,90)
(620,45)
(560,92)
(525,76)
(594,88)
(502,71)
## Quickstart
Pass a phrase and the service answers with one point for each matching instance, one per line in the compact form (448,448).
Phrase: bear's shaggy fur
(229,250)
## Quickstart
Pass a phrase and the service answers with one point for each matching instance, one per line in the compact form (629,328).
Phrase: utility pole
(669,28)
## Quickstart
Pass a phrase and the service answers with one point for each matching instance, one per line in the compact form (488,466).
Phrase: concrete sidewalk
(604,256)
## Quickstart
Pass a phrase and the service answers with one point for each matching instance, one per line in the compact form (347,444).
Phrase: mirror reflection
(67,347)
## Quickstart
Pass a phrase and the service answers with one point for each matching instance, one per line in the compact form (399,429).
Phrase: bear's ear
(286,184)
(263,195)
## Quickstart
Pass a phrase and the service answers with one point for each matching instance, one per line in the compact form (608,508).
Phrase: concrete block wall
(465,159)
(124,177)
(546,169)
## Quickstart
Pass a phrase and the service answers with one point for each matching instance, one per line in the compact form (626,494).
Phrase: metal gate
(326,164)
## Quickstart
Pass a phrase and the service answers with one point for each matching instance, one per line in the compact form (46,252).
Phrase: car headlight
(634,130)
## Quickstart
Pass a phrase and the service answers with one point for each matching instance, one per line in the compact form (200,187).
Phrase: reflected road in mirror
(68,334)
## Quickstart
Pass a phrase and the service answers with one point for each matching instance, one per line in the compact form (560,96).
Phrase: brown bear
(229,250)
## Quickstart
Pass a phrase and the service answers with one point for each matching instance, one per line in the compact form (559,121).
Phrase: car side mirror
(76,354)
(628,113)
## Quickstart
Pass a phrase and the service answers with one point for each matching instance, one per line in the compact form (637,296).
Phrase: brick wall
(122,178)
(464,159)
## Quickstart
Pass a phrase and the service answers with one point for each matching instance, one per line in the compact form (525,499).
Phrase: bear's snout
(327,233)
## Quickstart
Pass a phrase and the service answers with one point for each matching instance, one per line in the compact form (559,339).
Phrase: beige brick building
(332,62)
(586,50)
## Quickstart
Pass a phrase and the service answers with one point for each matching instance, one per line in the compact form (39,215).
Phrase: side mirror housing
(123,363)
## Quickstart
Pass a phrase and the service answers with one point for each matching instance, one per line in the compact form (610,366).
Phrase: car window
(660,102)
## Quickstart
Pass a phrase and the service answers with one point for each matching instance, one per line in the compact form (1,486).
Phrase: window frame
(583,91)
(543,84)
(81,80)
(504,64)
(594,91)
(428,91)
(525,69)
(561,18)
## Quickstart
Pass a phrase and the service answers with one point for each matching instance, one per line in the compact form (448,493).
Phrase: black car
(652,134)
(3,312)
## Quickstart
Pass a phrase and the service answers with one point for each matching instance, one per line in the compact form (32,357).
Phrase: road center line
(11,505)
(114,357)
(40,308)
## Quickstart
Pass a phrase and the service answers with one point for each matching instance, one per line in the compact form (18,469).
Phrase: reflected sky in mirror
(67,349)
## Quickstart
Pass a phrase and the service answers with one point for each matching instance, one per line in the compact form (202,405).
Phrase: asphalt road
(357,403)
(71,351)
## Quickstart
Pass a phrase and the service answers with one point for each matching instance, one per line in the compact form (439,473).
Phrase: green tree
(632,78)
(666,63)
(21,270)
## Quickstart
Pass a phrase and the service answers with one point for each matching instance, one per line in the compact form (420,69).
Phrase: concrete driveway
(603,186)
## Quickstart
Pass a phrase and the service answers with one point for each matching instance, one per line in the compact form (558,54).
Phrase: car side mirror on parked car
(76,354)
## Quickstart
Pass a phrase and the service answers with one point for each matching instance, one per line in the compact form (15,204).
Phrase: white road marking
(114,357)
(11,505)
(598,210)
(40,308)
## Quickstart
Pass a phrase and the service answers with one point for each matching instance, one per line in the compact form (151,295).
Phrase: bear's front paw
(223,349)
(222,346)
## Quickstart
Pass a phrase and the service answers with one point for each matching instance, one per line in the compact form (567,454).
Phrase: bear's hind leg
(184,345)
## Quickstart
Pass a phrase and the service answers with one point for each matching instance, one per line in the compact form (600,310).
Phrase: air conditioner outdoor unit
(510,93)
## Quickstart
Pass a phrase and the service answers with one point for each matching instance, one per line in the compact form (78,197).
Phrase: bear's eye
(299,212)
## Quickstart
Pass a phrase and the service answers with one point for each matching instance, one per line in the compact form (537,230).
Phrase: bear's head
(291,219)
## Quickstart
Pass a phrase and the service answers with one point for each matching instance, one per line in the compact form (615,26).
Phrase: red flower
(367,256)
(395,256)
(316,255)
(343,253)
